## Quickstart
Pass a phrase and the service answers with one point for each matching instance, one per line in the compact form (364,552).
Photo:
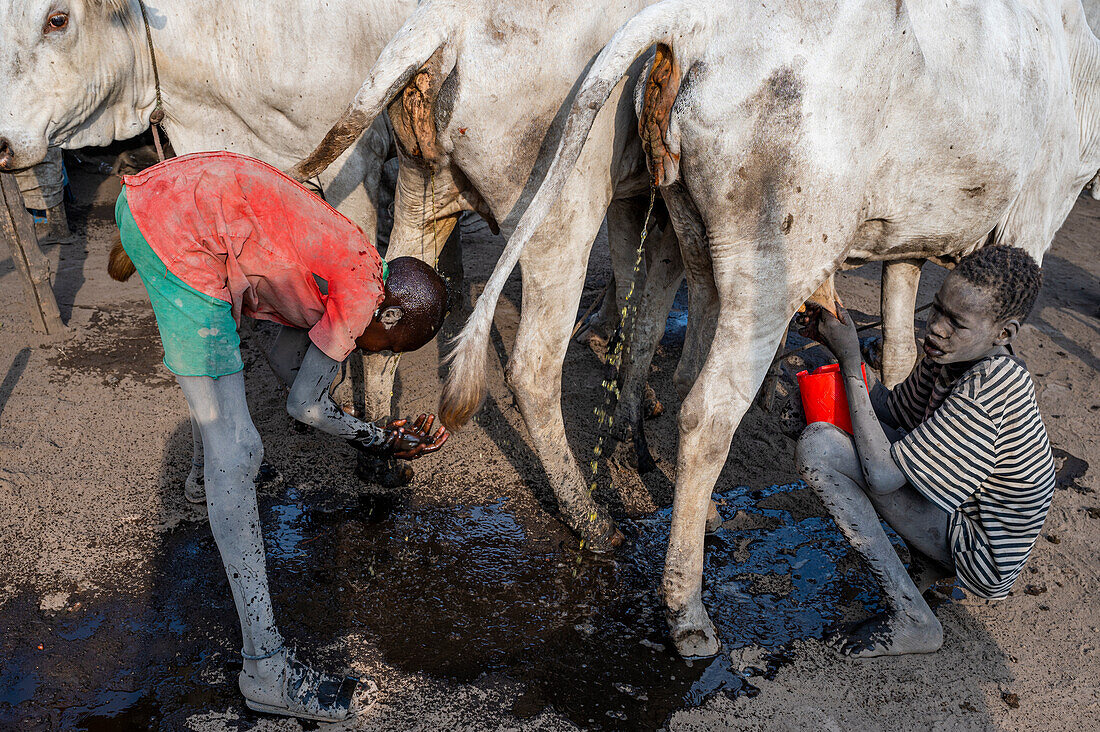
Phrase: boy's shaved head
(412,311)
(1010,276)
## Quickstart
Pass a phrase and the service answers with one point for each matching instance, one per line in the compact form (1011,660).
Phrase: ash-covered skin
(859,482)
(228,452)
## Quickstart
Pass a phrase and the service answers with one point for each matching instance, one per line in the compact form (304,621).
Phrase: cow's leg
(351,185)
(624,231)
(898,300)
(426,209)
(551,292)
(758,291)
(709,415)
(665,272)
(702,293)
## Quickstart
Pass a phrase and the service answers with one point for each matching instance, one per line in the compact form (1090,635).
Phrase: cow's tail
(119,266)
(429,29)
(465,385)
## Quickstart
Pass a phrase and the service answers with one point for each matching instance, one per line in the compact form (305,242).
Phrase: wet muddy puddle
(458,592)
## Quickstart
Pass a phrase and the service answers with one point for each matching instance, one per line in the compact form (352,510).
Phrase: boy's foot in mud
(282,685)
(194,489)
(890,634)
(385,472)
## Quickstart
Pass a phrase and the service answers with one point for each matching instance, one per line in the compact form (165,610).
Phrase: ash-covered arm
(309,402)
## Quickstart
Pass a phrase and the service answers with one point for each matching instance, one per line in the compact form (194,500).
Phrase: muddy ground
(463,596)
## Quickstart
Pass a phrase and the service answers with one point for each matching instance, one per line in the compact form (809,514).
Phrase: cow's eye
(56,22)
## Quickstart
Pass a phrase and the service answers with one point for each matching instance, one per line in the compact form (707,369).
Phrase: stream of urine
(604,417)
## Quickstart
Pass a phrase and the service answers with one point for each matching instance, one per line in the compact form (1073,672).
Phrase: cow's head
(67,76)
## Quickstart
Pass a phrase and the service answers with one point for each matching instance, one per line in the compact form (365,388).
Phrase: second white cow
(796,136)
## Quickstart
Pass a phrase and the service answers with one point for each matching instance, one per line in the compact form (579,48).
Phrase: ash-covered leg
(828,462)
(272,680)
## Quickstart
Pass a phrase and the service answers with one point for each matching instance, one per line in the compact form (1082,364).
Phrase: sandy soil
(464,598)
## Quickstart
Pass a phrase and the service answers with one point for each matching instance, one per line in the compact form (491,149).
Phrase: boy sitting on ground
(955,458)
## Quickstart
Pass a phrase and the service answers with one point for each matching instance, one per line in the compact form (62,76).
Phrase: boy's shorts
(197,331)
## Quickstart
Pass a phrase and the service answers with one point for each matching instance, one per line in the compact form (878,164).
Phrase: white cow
(475,91)
(901,278)
(797,135)
(259,78)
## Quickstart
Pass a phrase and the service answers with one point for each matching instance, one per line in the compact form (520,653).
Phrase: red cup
(824,398)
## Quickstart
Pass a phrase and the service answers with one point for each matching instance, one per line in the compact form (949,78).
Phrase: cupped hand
(409,442)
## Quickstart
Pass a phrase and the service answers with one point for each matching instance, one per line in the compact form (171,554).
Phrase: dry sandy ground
(114,613)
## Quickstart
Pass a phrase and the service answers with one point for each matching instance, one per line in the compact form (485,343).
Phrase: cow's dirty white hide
(264,78)
(497,79)
(808,135)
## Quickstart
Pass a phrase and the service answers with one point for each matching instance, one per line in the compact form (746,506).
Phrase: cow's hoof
(604,541)
(691,630)
(651,405)
(694,640)
(391,473)
(714,519)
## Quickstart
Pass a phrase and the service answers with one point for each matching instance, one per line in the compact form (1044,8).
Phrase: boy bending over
(217,236)
(955,458)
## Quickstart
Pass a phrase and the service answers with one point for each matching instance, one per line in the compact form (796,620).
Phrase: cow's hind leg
(664,274)
(426,210)
(709,415)
(758,293)
(702,292)
(624,228)
(553,276)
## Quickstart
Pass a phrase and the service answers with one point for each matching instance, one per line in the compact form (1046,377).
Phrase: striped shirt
(977,448)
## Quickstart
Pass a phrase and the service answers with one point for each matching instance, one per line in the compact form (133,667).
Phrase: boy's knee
(237,459)
(821,445)
(253,450)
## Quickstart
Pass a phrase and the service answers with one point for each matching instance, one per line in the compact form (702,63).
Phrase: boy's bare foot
(891,634)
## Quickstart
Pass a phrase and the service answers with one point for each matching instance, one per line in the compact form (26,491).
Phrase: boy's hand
(839,335)
(409,442)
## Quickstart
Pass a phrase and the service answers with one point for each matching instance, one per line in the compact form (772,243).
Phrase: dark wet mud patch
(463,593)
(118,341)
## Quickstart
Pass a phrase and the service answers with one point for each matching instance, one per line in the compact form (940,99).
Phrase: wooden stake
(34,269)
